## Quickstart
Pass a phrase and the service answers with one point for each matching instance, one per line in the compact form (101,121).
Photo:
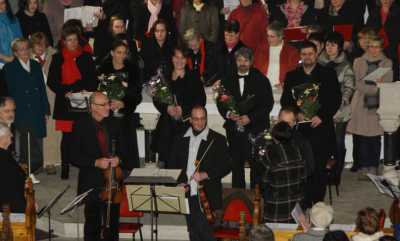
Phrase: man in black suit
(319,131)
(210,148)
(97,143)
(252,92)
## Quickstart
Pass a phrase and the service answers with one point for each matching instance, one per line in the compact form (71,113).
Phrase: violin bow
(202,157)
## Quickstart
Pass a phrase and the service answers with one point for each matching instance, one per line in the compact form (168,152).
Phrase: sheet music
(377,74)
(78,99)
(300,218)
(15,217)
(87,14)
(76,200)
(155,172)
(377,180)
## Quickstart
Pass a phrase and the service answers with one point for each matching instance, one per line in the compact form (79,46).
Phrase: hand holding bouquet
(306,96)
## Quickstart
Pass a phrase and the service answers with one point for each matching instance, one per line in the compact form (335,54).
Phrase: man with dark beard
(208,147)
(319,130)
(252,92)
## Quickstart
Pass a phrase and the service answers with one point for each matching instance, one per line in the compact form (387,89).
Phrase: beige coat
(51,144)
(363,121)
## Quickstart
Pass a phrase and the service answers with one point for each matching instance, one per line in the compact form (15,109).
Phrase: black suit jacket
(262,101)
(216,163)
(85,150)
(12,183)
(329,97)
(226,60)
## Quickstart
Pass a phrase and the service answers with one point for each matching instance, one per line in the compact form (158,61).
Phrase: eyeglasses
(102,104)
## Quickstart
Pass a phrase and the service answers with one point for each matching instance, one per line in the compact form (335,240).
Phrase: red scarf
(202,58)
(70,71)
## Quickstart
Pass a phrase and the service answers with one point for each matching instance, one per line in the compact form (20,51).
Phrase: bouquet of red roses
(225,99)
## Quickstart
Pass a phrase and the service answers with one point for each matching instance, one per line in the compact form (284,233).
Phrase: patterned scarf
(294,15)
(154,11)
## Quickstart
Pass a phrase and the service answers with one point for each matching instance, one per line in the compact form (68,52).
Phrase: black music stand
(47,208)
(152,181)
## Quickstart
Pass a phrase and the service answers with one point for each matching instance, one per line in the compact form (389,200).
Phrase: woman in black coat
(188,92)
(72,70)
(119,65)
(157,50)
(33,21)
(141,23)
(390,26)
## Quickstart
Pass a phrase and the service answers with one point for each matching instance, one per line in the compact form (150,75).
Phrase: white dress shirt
(194,145)
(241,81)
(26,66)
(274,64)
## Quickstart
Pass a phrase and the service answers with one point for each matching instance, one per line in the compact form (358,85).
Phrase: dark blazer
(392,31)
(258,86)
(12,183)
(37,23)
(29,92)
(226,60)
(138,23)
(217,164)
(329,97)
(85,150)
(155,56)
(308,18)
(87,82)
(189,92)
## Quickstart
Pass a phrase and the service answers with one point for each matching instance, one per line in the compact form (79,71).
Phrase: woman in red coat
(274,57)
(253,21)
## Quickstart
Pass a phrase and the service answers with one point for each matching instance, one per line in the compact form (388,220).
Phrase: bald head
(99,106)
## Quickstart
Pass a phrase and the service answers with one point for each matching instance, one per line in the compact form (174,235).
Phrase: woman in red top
(72,70)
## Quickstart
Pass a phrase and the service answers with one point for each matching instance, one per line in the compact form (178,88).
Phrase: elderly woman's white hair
(4,130)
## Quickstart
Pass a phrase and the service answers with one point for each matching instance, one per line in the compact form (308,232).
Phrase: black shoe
(354,169)
(64,172)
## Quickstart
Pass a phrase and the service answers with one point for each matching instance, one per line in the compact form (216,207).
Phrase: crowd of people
(246,51)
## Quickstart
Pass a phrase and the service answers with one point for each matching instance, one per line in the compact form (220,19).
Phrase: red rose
(224,98)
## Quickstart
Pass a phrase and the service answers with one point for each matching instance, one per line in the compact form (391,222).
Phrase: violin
(113,189)
(210,214)
(30,210)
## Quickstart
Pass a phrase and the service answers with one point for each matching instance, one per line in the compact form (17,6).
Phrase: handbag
(371,100)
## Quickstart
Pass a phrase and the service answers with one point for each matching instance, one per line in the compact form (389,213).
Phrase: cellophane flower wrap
(225,99)
(113,85)
(306,96)
(158,88)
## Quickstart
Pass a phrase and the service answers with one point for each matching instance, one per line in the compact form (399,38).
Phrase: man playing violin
(98,145)
(202,154)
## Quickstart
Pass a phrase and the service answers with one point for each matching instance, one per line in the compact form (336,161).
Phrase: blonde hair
(15,43)
(191,34)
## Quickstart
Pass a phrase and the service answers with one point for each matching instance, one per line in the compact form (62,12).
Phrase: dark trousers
(340,155)
(35,148)
(356,151)
(240,150)
(95,220)
(369,151)
(65,146)
(198,226)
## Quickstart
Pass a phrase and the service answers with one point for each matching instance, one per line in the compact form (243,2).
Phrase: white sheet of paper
(15,217)
(86,14)
(299,216)
(382,189)
(377,74)
(155,172)
(78,99)
(231,5)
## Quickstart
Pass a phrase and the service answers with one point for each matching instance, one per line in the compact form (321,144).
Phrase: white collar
(245,74)
(26,66)
(203,135)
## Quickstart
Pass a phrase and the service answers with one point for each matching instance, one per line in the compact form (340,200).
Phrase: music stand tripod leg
(154,213)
